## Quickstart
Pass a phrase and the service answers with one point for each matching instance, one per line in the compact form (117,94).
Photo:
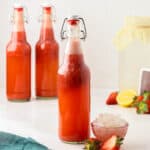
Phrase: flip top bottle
(47,56)
(18,59)
(74,85)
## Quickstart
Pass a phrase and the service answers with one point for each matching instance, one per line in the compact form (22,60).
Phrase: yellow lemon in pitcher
(125,98)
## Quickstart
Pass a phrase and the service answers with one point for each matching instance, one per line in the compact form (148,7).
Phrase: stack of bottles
(70,82)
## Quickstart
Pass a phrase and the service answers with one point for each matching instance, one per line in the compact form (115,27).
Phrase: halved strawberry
(111,100)
(113,143)
(92,144)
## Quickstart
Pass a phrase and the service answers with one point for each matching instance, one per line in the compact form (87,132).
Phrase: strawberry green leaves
(92,144)
(112,143)
(146,96)
(142,107)
(142,103)
(119,141)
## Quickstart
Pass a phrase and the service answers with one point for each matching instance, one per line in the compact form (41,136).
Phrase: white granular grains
(109,120)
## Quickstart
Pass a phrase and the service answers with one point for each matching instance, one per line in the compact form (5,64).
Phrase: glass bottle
(18,60)
(74,86)
(133,45)
(47,57)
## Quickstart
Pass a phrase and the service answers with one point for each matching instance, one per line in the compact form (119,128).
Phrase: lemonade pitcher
(133,44)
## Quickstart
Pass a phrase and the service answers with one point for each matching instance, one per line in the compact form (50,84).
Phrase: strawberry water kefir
(18,60)
(74,89)
(46,57)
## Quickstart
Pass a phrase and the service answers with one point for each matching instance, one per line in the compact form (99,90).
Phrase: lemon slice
(125,98)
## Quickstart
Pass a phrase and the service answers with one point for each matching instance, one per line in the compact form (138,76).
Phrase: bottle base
(46,94)
(19,100)
(74,142)
(18,97)
(45,97)
(69,140)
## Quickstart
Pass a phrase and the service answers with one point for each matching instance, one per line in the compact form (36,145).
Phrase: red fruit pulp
(111,144)
(47,62)
(18,61)
(18,68)
(74,99)
(47,59)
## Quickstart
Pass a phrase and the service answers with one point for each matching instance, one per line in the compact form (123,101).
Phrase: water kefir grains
(109,120)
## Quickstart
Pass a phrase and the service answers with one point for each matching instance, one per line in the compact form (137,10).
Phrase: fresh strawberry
(111,100)
(148,105)
(92,144)
(141,107)
(142,103)
(139,98)
(113,143)
(146,95)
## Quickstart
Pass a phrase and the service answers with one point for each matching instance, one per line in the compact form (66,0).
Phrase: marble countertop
(39,119)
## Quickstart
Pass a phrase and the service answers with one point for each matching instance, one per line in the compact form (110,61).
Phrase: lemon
(125,98)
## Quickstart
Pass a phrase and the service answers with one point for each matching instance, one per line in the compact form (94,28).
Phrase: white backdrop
(103,19)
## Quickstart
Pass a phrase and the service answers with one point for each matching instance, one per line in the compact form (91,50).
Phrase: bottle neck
(18,27)
(47,32)
(73,31)
(74,59)
(74,42)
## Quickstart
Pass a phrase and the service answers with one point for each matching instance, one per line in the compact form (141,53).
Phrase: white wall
(103,18)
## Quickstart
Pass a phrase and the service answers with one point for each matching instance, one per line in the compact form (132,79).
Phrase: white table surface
(39,120)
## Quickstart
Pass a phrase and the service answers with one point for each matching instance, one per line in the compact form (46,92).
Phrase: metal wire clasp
(83,30)
(25,14)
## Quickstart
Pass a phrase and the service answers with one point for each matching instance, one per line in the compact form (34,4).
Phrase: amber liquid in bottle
(18,61)
(47,59)
(74,92)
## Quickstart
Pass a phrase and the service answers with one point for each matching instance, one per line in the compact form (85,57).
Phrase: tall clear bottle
(18,59)
(47,57)
(74,85)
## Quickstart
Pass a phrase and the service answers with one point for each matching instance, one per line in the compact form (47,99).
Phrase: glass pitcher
(133,44)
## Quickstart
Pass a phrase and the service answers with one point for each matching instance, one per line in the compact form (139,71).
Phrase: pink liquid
(47,59)
(74,99)
(18,61)
(18,72)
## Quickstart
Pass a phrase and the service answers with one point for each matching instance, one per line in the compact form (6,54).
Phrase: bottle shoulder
(46,41)
(73,68)
(47,44)
(73,76)
(18,45)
